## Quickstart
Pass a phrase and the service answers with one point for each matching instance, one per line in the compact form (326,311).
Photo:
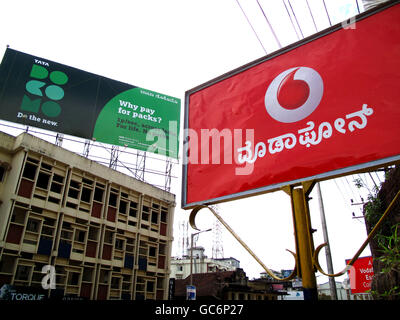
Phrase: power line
(291,20)
(270,26)
(327,13)
(237,1)
(376,173)
(365,184)
(340,190)
(351,189)
(358,7)
(312,17)
(295,18)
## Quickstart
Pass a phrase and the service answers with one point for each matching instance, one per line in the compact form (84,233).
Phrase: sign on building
(323,107)
(38,92)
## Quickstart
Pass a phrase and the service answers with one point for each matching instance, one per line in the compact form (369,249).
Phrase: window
(58,178)
(33,225)
(163,216)
(56,187)
(23,273)
(2,173)
(87,274)
(46,166)
(115,282)
(154,217)
(86,193)
(113,199)
(73,278)
(152,251)
(150,286)
(7,264)
(18,215)
(104,275)
(80,235)
(93,233)
(119,244)
(43,180)
(73,193)
(122,206)
(98,194)
(108,237)
(29,171)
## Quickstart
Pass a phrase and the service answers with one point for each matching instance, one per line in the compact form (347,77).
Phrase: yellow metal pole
(304,241)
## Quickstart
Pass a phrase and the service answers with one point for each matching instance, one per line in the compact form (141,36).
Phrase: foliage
(390,248)
(373,210)
(388,242)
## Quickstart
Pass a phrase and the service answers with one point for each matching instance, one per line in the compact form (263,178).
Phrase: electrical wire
(351,190)
(258,38)
(327,13)
(291,20)
(295,18)
(269,24)
(370,175)
(377,175)
(358,7)
(340,190)
(312,17)
(365,184)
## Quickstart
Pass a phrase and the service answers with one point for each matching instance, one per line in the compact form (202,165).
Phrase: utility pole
(191,253)
(332,283)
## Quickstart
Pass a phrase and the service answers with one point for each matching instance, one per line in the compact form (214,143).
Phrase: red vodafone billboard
(322,107)
(361,274)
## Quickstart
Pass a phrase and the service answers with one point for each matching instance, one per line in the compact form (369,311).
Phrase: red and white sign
(326,106)
(360,275)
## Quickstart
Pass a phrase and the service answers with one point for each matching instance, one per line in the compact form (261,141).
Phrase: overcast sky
(172,46)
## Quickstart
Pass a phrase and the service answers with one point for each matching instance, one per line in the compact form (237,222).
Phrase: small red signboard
(361,274)
(324,107)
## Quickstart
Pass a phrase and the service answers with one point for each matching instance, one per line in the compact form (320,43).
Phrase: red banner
(360,275)
(327,106)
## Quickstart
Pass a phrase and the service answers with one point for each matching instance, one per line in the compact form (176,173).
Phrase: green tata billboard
(49,95)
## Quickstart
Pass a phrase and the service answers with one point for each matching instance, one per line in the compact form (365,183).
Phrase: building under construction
(107,235)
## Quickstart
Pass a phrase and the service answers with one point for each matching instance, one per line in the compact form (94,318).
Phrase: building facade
(226,285)
(104,234)
(180,267)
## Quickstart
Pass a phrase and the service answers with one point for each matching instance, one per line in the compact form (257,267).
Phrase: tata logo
(44,63)
(44,90)
(294,94)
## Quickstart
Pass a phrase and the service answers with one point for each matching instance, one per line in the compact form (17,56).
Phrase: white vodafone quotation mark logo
(294,94)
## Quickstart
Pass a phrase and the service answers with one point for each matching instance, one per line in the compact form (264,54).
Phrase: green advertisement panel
(52,96)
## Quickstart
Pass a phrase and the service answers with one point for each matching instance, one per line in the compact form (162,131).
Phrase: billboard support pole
(304,241)
(332,283)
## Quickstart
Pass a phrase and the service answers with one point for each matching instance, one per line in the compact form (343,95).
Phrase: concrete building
(343,292)
(105,234)
(180,267)
(226,285)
